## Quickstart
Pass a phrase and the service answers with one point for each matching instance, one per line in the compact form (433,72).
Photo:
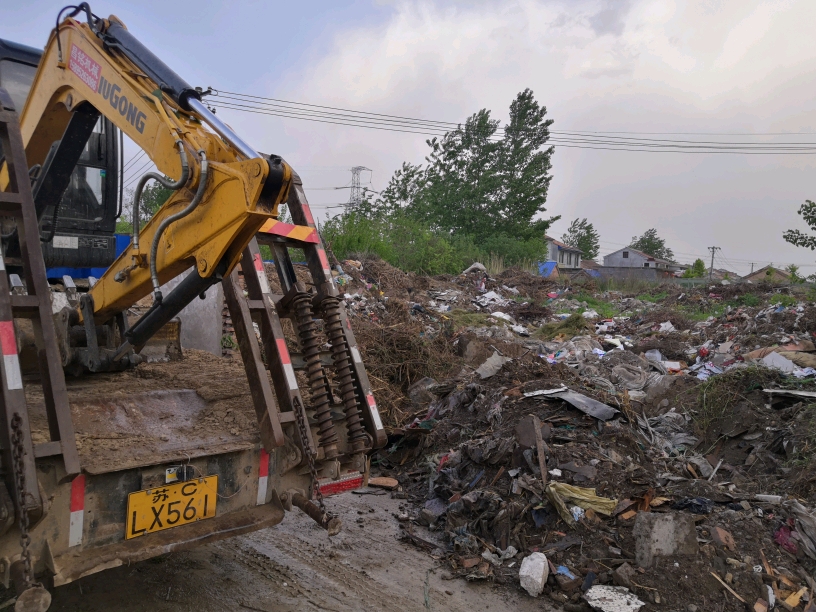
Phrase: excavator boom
(224,201)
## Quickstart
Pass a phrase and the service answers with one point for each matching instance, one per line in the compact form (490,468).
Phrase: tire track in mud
(284,580)
(367,589)
(297,562)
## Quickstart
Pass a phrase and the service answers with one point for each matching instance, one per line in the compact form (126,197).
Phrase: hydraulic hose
(154,247)
(175,186)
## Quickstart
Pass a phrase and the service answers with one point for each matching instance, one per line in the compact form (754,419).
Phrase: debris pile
(606,450)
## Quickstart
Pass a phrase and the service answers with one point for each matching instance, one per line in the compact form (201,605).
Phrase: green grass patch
(719,394)
(466,318)
(575,325)
(749,299)
(653,298)
(784,300)
(701,314)
(605,309)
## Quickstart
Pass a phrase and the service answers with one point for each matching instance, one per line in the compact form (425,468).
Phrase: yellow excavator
(66,510)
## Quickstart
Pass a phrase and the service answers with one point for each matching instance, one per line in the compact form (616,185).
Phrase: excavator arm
(224,190)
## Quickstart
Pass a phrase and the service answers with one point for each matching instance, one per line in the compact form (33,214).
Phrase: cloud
(642,65)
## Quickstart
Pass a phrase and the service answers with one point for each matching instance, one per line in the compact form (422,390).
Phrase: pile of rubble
(609,451)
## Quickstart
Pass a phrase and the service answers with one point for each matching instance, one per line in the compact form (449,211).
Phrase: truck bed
(160,412)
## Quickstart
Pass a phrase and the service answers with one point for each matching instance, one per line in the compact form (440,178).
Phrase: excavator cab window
(90,205)
(16,79)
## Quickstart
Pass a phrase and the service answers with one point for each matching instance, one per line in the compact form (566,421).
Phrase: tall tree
(808,212)
(582,234)
(697,269)
(651,244)
(477,185)
(524,168)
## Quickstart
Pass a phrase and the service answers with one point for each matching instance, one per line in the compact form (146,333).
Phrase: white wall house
(568,258)
(632,258)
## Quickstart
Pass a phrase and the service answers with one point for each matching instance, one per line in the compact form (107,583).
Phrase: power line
(292,105)
(137,174)
(133,160)
(596,145)
(568,139)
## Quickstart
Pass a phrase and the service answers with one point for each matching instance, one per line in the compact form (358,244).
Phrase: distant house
(770,274)
(632,258)
(567,257)
(722,274)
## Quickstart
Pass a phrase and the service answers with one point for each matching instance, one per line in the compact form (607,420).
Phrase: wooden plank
(541,448)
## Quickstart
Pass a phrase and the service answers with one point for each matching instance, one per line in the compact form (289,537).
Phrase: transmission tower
(356,195)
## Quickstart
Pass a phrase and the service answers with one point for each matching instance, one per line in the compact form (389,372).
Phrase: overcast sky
(711,66)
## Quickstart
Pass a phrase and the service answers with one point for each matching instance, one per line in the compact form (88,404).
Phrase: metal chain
(18,453)
(304,442)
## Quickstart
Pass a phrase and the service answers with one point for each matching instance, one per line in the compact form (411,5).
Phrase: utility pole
(713,250)
(752,267)
(356,195)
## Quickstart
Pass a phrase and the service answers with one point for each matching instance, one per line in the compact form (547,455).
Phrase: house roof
(761,272)
(563,246)
(642,254)
(590,264)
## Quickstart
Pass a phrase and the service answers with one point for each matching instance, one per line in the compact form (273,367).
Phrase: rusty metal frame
(17,202)
(318,264)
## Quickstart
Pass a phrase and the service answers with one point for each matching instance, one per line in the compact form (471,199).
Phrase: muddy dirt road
(295,566)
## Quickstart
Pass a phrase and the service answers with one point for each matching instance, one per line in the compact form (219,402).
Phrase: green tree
(651,244)
(795,277)
(478,187)
(582,234)
(697,270)
(154,195)
(808,212)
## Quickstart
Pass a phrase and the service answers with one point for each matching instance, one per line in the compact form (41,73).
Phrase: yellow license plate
(170,506)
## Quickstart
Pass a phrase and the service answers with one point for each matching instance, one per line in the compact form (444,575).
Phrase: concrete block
(623,576)
(659,535)
(533,573)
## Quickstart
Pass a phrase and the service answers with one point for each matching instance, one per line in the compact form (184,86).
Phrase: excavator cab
(78,234)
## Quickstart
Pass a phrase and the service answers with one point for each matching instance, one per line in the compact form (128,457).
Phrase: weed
(605,309)
(749,299)
(784,300)
(719,394)
(575,325)
(653,298)
(465,318)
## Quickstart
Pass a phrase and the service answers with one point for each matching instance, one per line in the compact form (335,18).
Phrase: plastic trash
(559,493)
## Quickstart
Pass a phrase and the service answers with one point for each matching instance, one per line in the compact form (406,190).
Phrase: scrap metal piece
(330,523)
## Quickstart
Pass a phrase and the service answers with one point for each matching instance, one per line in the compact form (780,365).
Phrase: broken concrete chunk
(533,573)
(658,535)
(723,538)
(623,575)
(612,599)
